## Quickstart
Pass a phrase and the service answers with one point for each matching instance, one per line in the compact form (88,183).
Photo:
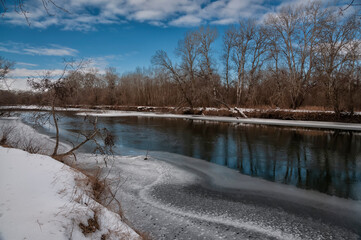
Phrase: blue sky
(111,33)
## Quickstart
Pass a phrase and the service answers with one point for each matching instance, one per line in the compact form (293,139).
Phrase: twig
(37,220)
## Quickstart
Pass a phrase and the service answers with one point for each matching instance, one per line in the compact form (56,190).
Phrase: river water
(324,161)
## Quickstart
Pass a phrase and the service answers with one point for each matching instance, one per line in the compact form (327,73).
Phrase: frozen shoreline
(259,121)
(173,196)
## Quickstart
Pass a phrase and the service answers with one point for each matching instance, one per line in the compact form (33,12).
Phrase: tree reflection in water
(326,161)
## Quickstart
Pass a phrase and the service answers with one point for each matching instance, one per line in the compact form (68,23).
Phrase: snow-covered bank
(22,135)
(43,108)
(41,199)
(271,122)
(152,112)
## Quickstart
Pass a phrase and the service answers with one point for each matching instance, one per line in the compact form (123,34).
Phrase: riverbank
(150,112)
(46,199)
(262,113)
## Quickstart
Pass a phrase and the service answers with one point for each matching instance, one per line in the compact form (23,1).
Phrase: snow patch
(41,200)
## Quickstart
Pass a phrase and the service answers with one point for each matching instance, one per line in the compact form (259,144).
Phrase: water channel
(324,161)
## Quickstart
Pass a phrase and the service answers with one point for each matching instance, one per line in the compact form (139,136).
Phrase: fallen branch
(226,105)
(240,112)
(78,146)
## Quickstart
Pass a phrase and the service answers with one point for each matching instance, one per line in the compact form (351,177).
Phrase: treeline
(298,56)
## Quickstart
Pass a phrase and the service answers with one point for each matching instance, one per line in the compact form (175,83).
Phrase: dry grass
(29,146)
(92,226)
(144,235)
(314,108)
(220,112)
(6,132)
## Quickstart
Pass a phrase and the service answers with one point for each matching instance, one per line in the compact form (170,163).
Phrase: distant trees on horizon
(299,56)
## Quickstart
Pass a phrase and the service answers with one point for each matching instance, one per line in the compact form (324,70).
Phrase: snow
(160,189)
(271,122)
(172,197)
(41,199)
(43,108)
(24,134)
(261,121)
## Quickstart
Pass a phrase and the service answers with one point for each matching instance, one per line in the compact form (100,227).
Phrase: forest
(303,56)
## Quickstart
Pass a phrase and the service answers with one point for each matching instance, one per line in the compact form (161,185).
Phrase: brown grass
(314,108)
(6,146)
(92,226)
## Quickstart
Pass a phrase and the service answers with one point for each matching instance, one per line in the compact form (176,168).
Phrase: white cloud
(17,78)
(86,14)
(224,21)
(26,64)
(187,20)
(51,50)
(4,49)
(102,62)
(15,84)
(148,15)
(29,73)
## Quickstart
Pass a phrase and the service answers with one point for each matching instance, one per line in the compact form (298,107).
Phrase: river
(325,161)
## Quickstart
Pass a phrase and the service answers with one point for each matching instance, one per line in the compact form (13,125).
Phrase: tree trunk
(56,128)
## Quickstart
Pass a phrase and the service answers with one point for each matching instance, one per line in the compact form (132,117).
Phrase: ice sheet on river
(175,197)
(271,122)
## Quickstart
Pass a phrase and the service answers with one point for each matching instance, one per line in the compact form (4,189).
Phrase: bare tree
(228,40)
(352,3)
(206,37)
(298,29)
(162,60)
(208,80)
(5,67)
(247,45)
(194,75)
(338,55)
(57,90)
(256,59)
(111,79)
(19,6)
(187,50)
(241,44)
(93,85)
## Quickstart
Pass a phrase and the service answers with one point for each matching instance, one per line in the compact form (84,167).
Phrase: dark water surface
(325,161)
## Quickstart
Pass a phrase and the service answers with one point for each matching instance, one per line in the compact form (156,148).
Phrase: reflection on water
(329,162)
